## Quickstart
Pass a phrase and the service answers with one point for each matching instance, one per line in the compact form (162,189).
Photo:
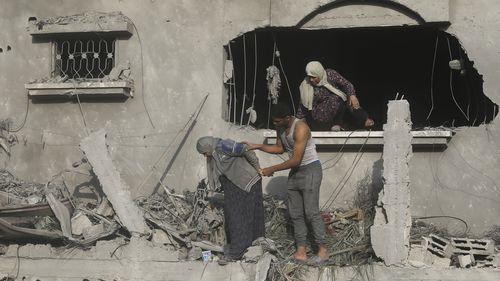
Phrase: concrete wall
(183,60)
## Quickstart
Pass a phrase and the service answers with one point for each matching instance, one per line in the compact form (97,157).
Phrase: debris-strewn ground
(193,224)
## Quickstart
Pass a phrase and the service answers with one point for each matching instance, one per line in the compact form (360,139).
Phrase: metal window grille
(83,58)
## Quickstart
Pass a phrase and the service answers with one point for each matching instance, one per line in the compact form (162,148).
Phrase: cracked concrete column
(390,233)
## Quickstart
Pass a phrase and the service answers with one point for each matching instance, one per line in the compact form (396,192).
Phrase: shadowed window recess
(422,64)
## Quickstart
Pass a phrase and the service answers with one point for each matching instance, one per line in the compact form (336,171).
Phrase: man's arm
(301,135)
(269,148)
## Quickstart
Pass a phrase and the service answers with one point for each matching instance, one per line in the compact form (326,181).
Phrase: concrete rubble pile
(436,251)
(54,213)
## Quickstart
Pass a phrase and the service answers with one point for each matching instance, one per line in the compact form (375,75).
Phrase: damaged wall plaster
(176,57)
(393,218)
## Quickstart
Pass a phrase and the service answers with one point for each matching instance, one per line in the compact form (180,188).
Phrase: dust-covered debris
(7,139)
(189,220)
(117,191)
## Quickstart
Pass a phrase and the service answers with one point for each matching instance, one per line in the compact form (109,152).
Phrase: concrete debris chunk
(441,262)
(419,256)
(194,253)
(464,246)
(466,261)
(160,237)
(93,231)
(117,191)
(392,218)
(263,266)
(78,223)
(485,261)
(439,246)
(61,213)
(267,244)
(253,253)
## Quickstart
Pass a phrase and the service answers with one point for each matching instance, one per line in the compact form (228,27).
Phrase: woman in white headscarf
(323,95)
(236,169)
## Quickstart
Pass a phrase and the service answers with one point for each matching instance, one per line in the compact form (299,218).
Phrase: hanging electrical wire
(277,53)
(230,93)
(329,202)
(451,83)
(432,77)
(268,96)
(142,73)
(244,80)
(252,113)
(234,85)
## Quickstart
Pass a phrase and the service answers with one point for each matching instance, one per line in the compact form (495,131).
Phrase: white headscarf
(315,69)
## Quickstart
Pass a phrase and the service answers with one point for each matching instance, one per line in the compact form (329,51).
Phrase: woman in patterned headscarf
(323,96)
(236,169)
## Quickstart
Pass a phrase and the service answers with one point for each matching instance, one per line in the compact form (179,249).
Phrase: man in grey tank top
(304,179)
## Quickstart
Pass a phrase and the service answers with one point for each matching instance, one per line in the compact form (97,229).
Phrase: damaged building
(102,103)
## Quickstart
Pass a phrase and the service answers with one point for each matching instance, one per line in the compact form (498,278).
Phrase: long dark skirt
(244,217)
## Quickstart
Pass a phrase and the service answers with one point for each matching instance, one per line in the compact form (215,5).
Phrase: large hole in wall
(381,62)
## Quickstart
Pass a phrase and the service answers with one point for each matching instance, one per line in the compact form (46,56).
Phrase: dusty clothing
(303,202)
(233,167)
(328,107)
(244,217)
(231,159)
(310,154)
(304,184)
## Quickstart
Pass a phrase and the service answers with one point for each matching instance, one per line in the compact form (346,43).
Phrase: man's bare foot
(300,254)
(322,252)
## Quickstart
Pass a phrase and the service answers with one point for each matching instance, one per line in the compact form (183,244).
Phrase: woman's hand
(354,102)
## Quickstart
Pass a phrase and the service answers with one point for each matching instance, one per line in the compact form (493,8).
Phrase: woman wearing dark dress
(323,95)
(236,169)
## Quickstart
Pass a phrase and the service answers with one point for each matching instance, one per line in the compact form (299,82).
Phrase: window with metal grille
(83,58)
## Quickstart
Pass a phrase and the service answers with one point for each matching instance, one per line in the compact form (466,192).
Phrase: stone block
(466,261)
(464,246)
(439,246)
(78,223)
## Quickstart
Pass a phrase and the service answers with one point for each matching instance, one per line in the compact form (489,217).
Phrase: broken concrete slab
(253,253)
(9,231)
(117,191)
(392,221)
(91,21)
(263,266)
(439,246)
(62,214)
(464,246)
(93,230)
(78,223)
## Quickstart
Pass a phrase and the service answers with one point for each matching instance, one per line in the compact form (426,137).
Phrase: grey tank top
(310,154)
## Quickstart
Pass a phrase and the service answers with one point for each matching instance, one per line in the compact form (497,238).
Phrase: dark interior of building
(383,63)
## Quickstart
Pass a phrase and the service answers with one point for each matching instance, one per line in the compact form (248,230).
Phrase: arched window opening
(426,66)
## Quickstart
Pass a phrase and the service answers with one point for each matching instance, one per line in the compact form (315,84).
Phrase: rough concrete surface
(176,55)
(117,191)
(172,38)
(392,219)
